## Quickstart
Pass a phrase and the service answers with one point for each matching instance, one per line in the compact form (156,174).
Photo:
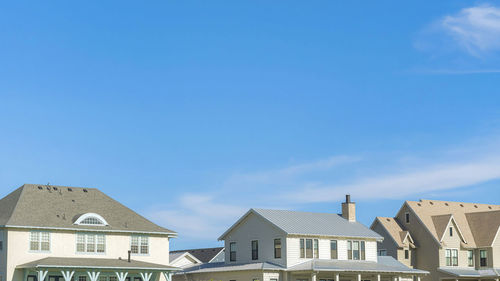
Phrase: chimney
(349,209)
(129,255)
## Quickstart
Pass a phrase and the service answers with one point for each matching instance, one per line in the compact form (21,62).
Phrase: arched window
(91,219)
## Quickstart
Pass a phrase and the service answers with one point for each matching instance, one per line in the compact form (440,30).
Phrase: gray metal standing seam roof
(307,223)
(471,272)
(385,264)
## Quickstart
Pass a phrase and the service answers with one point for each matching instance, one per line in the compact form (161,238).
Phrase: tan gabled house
(451,240)
(61,233)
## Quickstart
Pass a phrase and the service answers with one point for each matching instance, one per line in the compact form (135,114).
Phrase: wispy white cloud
(466,42)
(203,217)
(197,216)
(400,185)
(291,172)
(476,29)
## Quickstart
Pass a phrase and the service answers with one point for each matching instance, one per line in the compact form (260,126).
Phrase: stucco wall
(63,244)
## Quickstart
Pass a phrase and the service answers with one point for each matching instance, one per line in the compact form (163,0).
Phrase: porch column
(67,275)
(418,278)
(378,277)
(285,276)
(395,278)
(313,276)
(94,276)
(359,277)
(337,277)
(168,275)
(42,274)
(145,276)
(121,275)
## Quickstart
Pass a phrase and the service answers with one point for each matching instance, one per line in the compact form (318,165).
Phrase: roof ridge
(449,201)
(186,250)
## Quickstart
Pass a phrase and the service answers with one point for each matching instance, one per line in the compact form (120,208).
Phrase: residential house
(61,233)
(191,257)
(451,240)
(280,245)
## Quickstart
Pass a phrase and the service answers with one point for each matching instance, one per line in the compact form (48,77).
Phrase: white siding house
(298,246)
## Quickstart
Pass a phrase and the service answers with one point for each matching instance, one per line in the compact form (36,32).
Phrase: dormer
(91,219)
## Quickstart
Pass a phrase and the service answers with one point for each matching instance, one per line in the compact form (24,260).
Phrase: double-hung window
(333,249)
(139,245)
(309,248)
(483,258)
(470,257)
(302,248)
(277,248)
(232,251)
(356,250)
(40,241)
(255,250)
(451,257)
(316,248)
(90,243)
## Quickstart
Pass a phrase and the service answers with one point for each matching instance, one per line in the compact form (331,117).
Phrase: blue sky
(191,112)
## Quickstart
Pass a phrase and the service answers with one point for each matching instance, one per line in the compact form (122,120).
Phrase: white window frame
(451,251)
(39,235)
(86,239)
(140,239)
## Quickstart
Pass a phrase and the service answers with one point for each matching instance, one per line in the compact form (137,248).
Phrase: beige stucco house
(60,233)
(451,240)
(281,245)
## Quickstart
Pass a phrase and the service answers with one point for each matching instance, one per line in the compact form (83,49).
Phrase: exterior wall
(220,257)
(248,275)
(345,276)
(452,242)
(63,244)
(251,228)
(427,252)
(3,254)
(183,262)
(388,243)
(495,249)
(293,249)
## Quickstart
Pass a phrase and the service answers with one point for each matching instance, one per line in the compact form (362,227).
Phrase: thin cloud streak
(437,178)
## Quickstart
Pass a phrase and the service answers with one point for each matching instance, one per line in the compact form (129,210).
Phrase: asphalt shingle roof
(204,255)
(43,206)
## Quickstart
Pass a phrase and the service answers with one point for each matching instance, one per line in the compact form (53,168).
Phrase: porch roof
(385,264)
(471,272)
(96,263)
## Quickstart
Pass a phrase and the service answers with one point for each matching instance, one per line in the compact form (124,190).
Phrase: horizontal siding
(293,250)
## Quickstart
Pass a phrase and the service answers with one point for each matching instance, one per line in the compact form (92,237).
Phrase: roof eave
(169,234)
